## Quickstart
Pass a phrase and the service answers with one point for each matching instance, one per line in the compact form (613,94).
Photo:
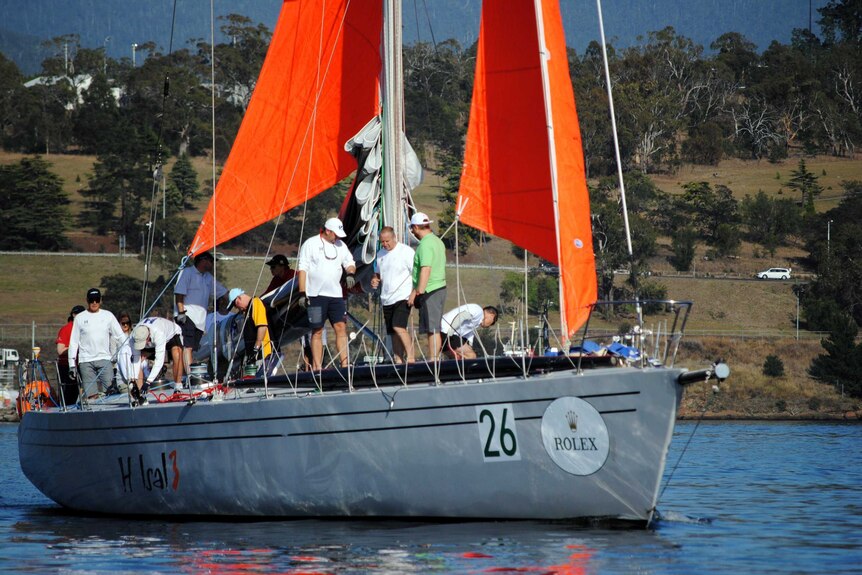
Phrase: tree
(736,53)
(841,365)
(95,118)
(837,288)
(841,21)
(773,366)
(805,182)
(541,288)
(769,220)
(121,186)
(33,207)
(683,243)
(451,172)
(238,62)
(184,179)
(714,214)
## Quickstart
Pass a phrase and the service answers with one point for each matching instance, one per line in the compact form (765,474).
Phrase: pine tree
(841,365)
(184,179)
(33,207)
(806,184)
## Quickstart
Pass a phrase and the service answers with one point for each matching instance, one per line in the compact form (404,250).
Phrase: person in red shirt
(69,388)
(279,266)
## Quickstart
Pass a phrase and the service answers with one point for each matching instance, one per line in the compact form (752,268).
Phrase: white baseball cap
(419,219)
(335,225)
(140,335)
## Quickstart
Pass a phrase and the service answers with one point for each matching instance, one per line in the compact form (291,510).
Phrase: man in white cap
(153,337)
(429,281)
(322,260)
(255,332)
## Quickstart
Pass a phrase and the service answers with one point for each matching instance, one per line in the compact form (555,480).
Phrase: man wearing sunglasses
(90,345)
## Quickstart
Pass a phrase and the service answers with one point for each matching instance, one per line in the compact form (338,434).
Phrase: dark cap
(203,256)
(75,311)
(278,260)
(93,294)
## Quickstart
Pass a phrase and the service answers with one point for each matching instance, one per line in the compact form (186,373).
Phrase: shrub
(773,366)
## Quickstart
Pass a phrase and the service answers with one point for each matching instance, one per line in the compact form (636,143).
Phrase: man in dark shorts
(394,276)
(192,296)
(322,260)
(460,325)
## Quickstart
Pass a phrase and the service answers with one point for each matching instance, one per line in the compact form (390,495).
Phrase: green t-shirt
(430,253)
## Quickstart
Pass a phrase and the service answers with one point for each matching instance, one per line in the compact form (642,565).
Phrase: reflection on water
(746,498)
(45,539)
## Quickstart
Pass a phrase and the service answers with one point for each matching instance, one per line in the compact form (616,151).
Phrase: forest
(677,103)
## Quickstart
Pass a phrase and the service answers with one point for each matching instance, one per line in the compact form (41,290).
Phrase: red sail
(506,184)
(317,88)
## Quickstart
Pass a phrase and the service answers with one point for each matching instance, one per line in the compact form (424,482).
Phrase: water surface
(745,498)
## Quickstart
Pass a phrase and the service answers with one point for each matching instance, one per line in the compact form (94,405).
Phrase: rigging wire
(214,354)
(622,183)
(156,168)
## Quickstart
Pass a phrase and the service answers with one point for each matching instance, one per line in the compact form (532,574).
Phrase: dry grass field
(733,317)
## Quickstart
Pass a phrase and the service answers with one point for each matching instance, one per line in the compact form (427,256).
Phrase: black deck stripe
(310,416)
(147,441)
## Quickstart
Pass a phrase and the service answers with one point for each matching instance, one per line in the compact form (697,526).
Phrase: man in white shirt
(192,296)
(154,336)
(93,331)
(322,259)
(460,325)
(395,274)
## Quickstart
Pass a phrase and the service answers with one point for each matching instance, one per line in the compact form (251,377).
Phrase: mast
(544,56)
(393,119)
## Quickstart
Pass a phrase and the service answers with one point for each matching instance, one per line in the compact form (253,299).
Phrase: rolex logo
(572,418)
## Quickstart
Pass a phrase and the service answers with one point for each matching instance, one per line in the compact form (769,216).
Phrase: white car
(774,274)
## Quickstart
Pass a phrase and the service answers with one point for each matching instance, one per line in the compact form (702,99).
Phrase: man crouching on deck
(154,334)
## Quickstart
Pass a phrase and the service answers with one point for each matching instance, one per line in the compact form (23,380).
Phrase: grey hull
(508,448)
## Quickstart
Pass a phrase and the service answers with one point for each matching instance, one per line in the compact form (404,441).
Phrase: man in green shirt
(429,281)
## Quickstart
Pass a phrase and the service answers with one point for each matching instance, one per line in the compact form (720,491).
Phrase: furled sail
(523,141)
(318,86)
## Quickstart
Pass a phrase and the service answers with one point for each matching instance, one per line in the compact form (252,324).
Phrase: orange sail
(523,141)
(316,89)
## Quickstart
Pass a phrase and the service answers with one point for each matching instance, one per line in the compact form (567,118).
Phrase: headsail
(318,86)
(508,179)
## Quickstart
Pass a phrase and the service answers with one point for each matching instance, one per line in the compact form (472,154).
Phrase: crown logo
(572,418)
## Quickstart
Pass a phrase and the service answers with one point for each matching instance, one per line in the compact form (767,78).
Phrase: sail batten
(316,89)
(523,141)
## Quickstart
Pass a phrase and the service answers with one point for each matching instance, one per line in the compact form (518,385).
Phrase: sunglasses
(125,323)
(94,300)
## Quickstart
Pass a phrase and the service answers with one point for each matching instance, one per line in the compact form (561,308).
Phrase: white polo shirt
(323,263)
(396,273)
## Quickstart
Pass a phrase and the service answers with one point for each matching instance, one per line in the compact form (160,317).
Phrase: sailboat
(570,436)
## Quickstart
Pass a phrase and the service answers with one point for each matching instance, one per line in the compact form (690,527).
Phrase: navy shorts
(396,315)
(323,307)
(191,335)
